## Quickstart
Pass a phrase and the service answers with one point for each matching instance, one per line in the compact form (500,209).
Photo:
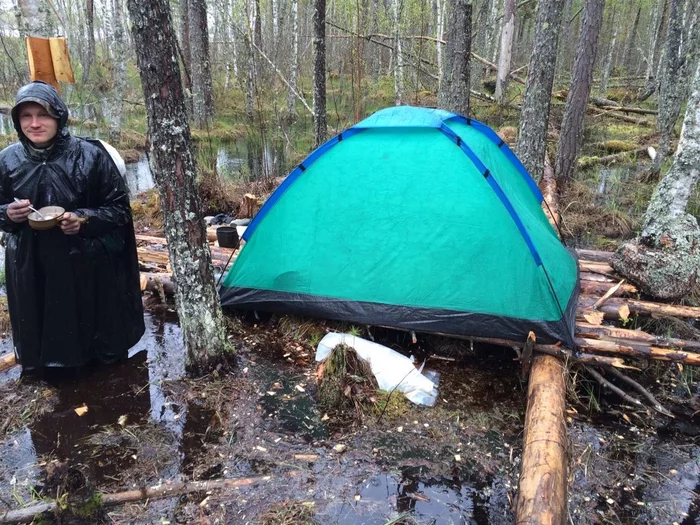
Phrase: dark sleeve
(6,198)
(110,195)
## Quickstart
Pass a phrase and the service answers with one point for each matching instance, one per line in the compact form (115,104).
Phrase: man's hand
(70,223)
(18,211)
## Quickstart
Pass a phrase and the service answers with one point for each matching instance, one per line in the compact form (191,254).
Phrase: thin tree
(669,92)
(607,65)
(185,52)
(294,63)
(631,38)
(577,101)
(398,54)
(534,115)
(201,319)
(504,57)
(654,54)
(90,39)
(454,86)
(202,102)
(320,119)
(665,259)
(119,53)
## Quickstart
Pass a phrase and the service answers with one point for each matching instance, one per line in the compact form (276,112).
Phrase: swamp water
(457,462)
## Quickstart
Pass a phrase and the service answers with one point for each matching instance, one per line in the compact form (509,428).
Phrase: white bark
(505,54)
(440,29)
(294,65)
(603,87)
(119,52)
(37,18)
(275,23)
(398,67)
(670,198)
(492,29)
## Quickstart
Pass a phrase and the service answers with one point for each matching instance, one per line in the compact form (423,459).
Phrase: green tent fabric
(414,218)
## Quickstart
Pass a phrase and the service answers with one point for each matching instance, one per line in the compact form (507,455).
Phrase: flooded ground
(457,462)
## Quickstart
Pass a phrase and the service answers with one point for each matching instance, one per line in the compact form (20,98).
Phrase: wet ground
(457,462)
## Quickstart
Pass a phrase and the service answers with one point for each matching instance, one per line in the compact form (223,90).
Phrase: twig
(607,384)
(639,388)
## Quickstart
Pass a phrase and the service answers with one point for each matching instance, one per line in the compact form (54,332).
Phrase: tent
(417,219)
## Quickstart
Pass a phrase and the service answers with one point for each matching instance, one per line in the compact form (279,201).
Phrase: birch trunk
(534,115)
(294,62)
(119,52)
(275,23)
(665,260)
(669,92)
(454,86)
(320,122)
(439,34)
(506,50)
(202,99)
(631,38)
(577,101)
(480,46)
(492,28)
(398,55)
(37,18)
(605,74)
(90,39)
(198,306)
(654,60)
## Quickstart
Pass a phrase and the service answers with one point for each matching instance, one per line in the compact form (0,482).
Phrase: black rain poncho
(72,298)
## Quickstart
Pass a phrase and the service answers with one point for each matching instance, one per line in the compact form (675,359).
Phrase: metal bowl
(52,214)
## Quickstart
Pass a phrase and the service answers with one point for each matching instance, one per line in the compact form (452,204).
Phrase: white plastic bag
(389,367)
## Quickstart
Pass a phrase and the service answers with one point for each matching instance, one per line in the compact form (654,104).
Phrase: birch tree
(654,53)
(670,76)
(571,134)
(453,94)
(320,122)
(199,310)
(605,74)
(202,98)
(665,259)
(119,54)
(37,18)
(534,115)
(439,33)
(504,57)
(398,55)
(294,62)
(90,39)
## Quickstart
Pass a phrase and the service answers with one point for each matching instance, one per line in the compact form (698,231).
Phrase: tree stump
(249,206)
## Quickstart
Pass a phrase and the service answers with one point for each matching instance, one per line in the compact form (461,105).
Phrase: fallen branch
(626,109)
(622,335)
(599,287)
(600,302)
(7,361)
(588,162)
(637,349)
(594,255)
(608,385)
(639,388)
(617,116)
(494,67)
(612,307)
(165,490)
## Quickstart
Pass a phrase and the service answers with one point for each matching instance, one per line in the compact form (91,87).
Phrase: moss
(615,146)
(89,508)
(391,406)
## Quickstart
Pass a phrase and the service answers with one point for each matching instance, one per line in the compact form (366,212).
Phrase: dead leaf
(81,410)
(624,312)
(595,318)
(627,418)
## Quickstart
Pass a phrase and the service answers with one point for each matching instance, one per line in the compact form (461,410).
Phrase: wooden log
(165,490)
(612,307)
(249,206)
(594,255)
(550,193)
(157,282)
(7,361)
(617,116)
(494,67)
(601,288)
(637,349)
(612,333)
(627,109)
(543,477)
(596,267)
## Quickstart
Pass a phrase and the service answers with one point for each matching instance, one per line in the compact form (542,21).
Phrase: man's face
(37,125)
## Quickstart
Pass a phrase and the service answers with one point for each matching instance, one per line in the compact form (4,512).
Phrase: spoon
(33,209)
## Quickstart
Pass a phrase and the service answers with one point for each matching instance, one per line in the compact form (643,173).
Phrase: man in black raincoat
(73,291)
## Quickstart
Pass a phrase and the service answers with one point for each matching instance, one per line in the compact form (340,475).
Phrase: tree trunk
(198,306)
(320,122)
(669,93)
(492,29)
(454,87)
(398,55)
(275,24)
(202,99)
(665,259)
(186,53)
(479,46)
(654,55)
(629,46)
(534,115)
(119,53)
(294,62)
(577,101)
(37,18)
(605,74)
(506,49)
(90,39)
(439,32)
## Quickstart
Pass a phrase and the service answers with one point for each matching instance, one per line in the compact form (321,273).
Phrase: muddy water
(457,462)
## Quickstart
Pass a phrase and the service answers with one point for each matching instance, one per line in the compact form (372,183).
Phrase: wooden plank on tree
(40,62)
(63,71)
